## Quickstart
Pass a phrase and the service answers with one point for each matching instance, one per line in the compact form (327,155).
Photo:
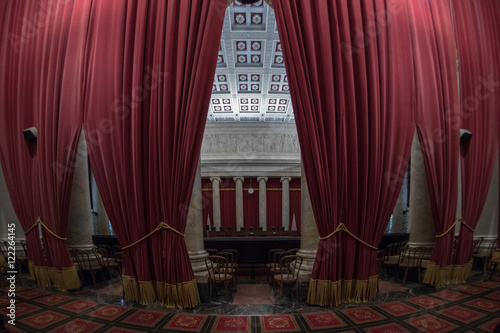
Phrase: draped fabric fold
(16,103)
(438,123)
(476,26)
(148,77)
(350,69)
(43,89)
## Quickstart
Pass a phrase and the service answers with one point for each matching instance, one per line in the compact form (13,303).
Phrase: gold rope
(458,219)
(160,226)
(37,222)
(342,227)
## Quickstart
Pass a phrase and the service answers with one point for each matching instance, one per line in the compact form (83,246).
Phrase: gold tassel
(69,278)
(461,273)
(437,276)
(328,293)
(147,292)
(131,288)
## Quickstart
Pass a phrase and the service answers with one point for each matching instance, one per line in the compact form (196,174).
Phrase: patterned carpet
(465,308)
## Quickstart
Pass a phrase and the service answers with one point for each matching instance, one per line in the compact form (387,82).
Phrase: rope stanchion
(37,222)
(160,226)
(458,219)
(342,227)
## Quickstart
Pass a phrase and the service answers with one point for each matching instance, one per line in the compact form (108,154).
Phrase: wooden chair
(231,265)
(484,254)
(105,260)
(411,257)
(85,264)
(490,263)
(235,255)
(293,251)
(271,263)
(276,267)
(391,258)
(115,249)
(288,273)
(212,252)
(215,277)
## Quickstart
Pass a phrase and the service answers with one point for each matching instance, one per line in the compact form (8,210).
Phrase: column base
(198,264)
(308,258)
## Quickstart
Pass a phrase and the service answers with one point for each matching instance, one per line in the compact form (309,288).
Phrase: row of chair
(222,269)
(102,259)
(401,256)
(284,269)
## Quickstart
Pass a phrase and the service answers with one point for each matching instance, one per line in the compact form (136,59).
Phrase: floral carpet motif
(474,307)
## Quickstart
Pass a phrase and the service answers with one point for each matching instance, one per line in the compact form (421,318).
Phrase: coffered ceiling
(250,83)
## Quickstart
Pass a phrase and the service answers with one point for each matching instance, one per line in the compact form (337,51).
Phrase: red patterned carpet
(465,308)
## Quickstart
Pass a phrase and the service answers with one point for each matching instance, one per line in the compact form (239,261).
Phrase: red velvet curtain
(438,122)
(146,100)
(251,203)
(227,203)
(350,69)
(295,201)
(17,97)
(476,25)
(273,203)
(207,202)
(51,48)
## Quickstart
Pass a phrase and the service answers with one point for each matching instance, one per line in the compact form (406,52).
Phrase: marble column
(194,232)
(285,201)
(262,202)
(79,231)
(421,223)
(102,217)
(309,236)
(216,201)
(239,202)
(397,214)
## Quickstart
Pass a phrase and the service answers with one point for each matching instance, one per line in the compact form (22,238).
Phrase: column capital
(239,178)
(285,179)
(265,179)
(215,179)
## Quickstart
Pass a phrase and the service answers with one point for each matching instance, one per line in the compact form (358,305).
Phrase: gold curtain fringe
(461,273)
(438,276)
(333,293)
(65,279)
(182,295)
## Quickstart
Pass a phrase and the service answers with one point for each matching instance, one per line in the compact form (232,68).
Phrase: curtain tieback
(342,227)
(37,222)
(458,219)
(160,226)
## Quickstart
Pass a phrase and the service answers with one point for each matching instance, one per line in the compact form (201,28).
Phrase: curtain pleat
(476,26)
(438,124)
(350,69)
(146,100)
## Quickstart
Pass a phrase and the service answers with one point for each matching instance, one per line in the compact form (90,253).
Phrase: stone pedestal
(79,231)
(421,223)
(262,202)
(216,201)
(309,236)
(239,202)
(285,202)
(194,232)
